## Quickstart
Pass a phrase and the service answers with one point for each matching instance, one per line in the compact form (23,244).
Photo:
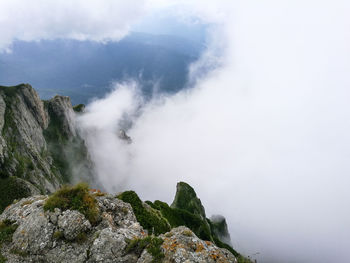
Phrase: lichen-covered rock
(72,223)
(182,245)
(110,244)
(115,213)
(34,235)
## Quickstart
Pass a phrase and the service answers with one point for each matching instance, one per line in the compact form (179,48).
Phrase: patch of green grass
(148,220)
(151,243)
(11,189)
(74,198)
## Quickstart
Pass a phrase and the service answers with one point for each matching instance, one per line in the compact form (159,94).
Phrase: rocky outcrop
(67,236)
(37,140)
(186,198)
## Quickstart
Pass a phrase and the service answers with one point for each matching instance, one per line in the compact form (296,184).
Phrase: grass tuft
(74,198)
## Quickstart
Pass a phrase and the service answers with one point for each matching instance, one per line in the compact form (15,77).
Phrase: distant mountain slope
(83,70)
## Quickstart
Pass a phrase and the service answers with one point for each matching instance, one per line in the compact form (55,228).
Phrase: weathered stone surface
(109,247)
(182,245)
(53,236)
(116,213)
(35,235)
(72,223)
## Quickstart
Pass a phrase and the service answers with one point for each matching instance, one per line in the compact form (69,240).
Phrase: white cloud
(264,139)
(96,20)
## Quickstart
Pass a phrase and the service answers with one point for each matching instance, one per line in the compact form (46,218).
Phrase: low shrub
(148,220)
(74,198)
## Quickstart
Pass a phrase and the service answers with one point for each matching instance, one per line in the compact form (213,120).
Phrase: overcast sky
(263,138)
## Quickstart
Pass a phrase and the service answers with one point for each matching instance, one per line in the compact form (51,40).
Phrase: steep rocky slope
(37,141)
(101,228)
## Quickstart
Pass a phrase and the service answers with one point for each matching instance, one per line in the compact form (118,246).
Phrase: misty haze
(174,131)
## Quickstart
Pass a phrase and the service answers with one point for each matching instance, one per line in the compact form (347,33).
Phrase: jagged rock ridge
(37,140)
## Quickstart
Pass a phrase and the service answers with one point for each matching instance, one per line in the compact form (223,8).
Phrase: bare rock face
(67,236)
(37,141)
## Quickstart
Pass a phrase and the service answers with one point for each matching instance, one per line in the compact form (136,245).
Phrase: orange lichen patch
(208,243)
(214,256)
(169,245)
(199,248)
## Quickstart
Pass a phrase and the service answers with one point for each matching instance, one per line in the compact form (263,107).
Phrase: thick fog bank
(263,138)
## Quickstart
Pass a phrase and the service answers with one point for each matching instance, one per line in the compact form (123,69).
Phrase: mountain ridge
(35,141)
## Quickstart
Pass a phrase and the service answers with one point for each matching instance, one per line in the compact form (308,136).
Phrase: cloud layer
(264,138)
(95,20)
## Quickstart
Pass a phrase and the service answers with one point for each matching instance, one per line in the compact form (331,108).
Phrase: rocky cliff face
(37,140)
(32,230)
